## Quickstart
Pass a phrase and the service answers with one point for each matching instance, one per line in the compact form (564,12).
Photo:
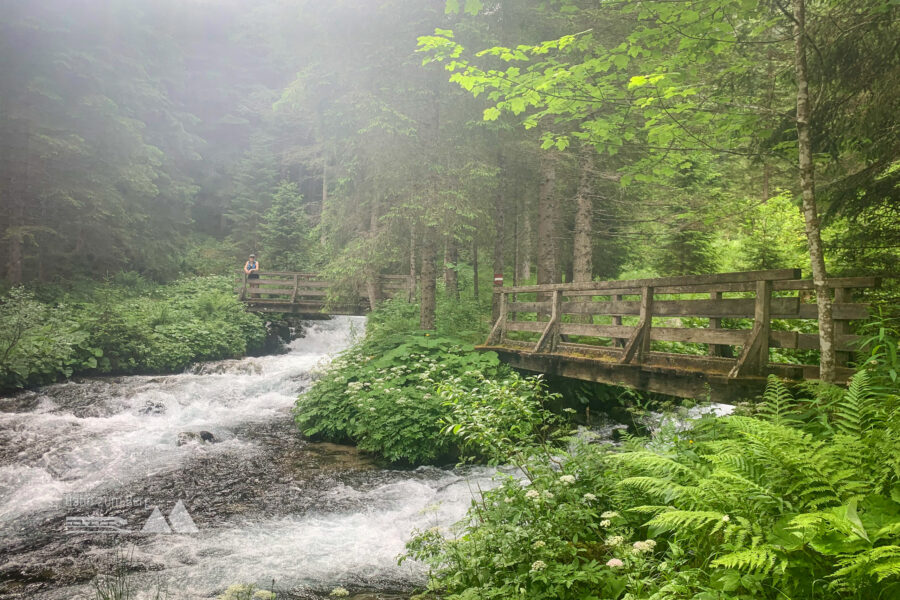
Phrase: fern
(881,563)
(688,522)
(763,560)
(854,416)
(778,406)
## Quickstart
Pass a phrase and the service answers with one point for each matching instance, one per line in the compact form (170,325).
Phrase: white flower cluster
(605,523)
(609,514)
(539,544)
(567,479)
(538,565)
(645,546)
(615,540)
(590,497)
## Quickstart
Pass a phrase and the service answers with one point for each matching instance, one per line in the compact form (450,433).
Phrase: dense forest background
(654,138)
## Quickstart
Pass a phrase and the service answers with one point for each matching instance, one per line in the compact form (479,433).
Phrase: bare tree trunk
(322,237)
(411,295)
(451,257)
(582,250)
(516,245)
(548,223)
(499,234)
(475,264)
(548,228)
(428,306)
(371,275)
(16,184)
(528,243)
(807,187)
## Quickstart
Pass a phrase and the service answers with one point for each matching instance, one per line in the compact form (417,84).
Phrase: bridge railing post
(716,323)
(755,354)
(549,339)
(841,327)
(498,331)
(244,288)
(639,344)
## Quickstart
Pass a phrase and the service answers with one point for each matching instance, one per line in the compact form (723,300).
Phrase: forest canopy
(564,140)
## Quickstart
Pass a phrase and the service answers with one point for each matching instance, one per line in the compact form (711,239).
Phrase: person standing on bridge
(251,270)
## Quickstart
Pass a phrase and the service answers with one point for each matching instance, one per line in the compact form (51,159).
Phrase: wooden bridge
(310,294)
(674,335)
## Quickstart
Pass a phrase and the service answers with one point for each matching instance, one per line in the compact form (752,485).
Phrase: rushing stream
(79,459)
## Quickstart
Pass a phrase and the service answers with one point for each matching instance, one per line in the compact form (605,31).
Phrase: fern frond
(648,509)
(853,414)
(687,521)
(882,562)
(778,405)
(664,489)
(654,464)
(763,560)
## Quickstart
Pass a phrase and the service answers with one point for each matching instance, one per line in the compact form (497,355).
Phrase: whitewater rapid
(267,505)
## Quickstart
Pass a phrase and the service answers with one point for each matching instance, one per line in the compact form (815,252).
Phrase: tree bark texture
(808,194)
(582,250)
(411,295)
(499,234)
(451,258)
(475,265)
(548,223)
(427,308)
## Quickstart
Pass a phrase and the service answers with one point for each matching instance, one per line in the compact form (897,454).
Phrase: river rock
(198,437)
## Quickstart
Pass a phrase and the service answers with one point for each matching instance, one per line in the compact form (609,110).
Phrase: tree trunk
(582,250)
(527,249)
(411,295)
(475,265)
(548,244)
(322,237)
(807,187)
(451,257)
(582,253)
(548,226)
(16,184)
(371,275)
(428,306)
(499,234)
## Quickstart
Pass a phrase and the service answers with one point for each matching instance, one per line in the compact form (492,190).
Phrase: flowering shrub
(382,394)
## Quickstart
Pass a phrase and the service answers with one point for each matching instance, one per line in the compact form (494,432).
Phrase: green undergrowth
(381,394)
(126,325)
(798,499)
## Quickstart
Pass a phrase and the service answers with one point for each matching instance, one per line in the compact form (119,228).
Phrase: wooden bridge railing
(560,311)
(277,289)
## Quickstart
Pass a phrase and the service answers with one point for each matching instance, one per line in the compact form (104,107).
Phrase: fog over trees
(592,139)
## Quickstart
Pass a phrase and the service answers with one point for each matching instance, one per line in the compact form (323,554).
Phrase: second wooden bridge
(674,335)
(308,293)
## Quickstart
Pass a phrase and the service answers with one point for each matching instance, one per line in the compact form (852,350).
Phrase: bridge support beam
(639,344)
(755,354)
(549,340)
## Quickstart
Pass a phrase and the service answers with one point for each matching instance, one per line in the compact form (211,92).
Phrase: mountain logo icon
(179,519)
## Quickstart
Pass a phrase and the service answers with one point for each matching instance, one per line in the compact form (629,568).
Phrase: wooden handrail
(615,299)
